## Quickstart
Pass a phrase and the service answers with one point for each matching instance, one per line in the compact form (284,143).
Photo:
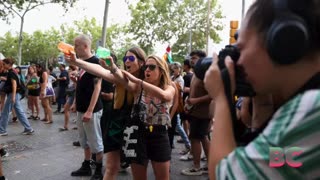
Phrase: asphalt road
(50,155)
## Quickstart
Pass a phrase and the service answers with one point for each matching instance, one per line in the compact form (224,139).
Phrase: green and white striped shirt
(295,124)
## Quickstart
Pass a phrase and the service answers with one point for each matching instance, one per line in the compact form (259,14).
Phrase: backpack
(180,108)
(21,88)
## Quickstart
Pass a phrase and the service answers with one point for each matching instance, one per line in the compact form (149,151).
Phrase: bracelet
(114,70)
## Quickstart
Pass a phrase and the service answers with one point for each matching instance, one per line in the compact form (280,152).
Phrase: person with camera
(13,88)
(279,48)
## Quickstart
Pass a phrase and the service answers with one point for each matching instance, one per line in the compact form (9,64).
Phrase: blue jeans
(182,133)
(19,111)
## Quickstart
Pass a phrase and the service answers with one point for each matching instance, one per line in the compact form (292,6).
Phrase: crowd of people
(131,114)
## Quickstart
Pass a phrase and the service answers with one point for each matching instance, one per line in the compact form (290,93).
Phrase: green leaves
(42,45)
(163,21)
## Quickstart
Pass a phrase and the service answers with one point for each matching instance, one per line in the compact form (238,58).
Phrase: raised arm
(136,84)
(91,68)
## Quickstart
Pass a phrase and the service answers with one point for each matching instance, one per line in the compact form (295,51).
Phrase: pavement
(49,154)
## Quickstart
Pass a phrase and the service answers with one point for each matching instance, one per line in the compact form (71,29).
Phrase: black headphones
(288,37)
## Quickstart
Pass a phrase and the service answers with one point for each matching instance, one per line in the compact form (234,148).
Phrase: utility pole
(208,25)
(190,28)
(104,28)
(243,8)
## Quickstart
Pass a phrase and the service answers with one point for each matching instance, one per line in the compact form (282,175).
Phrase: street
(50,155)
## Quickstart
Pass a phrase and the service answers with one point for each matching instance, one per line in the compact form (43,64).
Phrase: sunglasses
(131,58)
(151,67)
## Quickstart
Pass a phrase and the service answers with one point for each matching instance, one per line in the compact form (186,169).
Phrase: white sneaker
(204,169)
(192,172)
(187,157)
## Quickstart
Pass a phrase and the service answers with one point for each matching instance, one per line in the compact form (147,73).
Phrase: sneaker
(180,141)
(76,143)
(3,153)
(63,129)
(192,172)
(124,166)
(84,170)
(185,151)
(204,170)
(57,111)
(97,177)
(28,132)
(187,157)
(97,174)
(4,134)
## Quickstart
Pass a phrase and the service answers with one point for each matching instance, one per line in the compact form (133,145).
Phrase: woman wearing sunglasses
(133,61)
(156,90)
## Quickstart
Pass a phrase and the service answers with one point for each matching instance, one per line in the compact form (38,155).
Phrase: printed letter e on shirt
(278,157)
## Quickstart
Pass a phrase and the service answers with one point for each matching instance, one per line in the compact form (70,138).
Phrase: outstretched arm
(91,68)
(165,94)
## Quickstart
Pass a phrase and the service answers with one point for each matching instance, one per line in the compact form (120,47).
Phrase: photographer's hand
(213,81)
(224,142)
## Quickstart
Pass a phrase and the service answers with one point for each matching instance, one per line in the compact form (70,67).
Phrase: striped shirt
(295,124)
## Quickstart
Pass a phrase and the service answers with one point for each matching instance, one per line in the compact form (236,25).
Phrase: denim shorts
(90,132)
(70,100)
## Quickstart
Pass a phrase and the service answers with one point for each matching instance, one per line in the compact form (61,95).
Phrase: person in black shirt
(89,110)
(63,83)
(12,88)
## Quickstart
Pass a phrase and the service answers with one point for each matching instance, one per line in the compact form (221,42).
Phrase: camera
(243,88)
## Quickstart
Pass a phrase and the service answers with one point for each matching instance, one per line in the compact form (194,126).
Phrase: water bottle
(103,53)
(66,48)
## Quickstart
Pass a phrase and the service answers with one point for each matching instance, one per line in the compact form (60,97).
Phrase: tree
(163,21)
(41,46)
(8,44)
(20,8)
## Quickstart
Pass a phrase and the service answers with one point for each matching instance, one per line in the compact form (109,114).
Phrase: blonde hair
(165,79)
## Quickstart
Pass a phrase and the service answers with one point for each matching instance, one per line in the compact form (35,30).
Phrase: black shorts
(156,144)
(113,131)
(199,128)
(184,116)
(34,92)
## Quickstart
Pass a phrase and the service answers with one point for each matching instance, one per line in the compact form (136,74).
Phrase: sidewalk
(50,155)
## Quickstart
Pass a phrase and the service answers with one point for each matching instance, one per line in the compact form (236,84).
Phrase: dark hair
(187,63)
(9,61)
(72,67)
(40,70)
(18,67)
(263,13)
(114,57)
(199,53)
(50,68)
(141,56)
(64,66)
